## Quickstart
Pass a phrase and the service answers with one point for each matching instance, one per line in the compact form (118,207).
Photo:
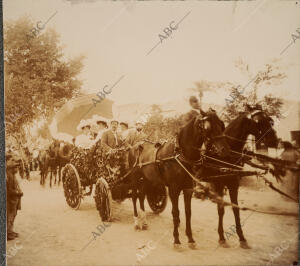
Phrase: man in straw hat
(14,193)
(85,139)
(100,126)
(124,130)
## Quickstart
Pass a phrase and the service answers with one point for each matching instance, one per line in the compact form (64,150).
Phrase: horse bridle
(262,135)
(208,141)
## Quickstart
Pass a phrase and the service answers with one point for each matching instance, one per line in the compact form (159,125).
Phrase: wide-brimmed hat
(124,123)
(98,119)
(114,120)
(140,122)
(83,123)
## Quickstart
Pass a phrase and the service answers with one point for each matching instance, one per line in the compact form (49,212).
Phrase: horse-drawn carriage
(87,168)
(220,163)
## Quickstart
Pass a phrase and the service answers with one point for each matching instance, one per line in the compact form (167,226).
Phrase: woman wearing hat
(85,139)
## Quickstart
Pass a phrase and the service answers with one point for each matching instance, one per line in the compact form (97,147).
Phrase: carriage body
(86,168)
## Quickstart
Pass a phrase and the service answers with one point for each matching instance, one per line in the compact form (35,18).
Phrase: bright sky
(115,36)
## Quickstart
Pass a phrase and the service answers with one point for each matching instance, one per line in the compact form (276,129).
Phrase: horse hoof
(244,244)
(177,247)
(192,245)
(144,226)
(223,244)
(137,227)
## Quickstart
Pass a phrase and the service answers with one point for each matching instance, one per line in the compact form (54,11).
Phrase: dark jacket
(190,115)
(134,137)
(108,140)
(14,193)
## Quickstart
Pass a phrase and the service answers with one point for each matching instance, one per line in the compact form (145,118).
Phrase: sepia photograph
(150,132)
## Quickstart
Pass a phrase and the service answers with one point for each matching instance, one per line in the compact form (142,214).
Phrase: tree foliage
(160,128)
(38,78)
(270,76)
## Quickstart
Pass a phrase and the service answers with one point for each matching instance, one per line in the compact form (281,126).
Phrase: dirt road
(52,234)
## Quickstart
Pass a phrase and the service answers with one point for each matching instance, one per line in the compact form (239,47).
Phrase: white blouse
(84,141)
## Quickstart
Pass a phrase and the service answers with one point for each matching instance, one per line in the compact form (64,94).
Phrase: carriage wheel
(157,198)
(103,199)
(72,186)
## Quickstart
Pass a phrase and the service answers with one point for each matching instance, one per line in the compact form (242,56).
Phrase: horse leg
(187,194)
(233,193)
(174,196)
(221,211)
(55,173)
(135,213)
(53,170)
(41,171)
(45,174)
(141,195)
(50,176)
(59,175)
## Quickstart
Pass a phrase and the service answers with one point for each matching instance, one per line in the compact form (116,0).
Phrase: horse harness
(237,170)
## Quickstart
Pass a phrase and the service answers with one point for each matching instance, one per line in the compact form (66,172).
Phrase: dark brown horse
(163,168)
(256,123)
(49,159)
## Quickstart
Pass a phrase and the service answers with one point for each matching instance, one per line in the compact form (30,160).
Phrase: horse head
(210,128)
(263,127)
(207,129)
(54,148)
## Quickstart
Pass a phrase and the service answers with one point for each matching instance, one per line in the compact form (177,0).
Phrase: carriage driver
(85,139)
(196,109)
(111,138)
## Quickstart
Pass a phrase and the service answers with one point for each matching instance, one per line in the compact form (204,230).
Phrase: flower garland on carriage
(94,161)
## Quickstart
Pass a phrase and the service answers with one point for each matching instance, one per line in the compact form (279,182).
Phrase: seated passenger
(124,130)
(100,127)
(134,138)
(110,138)
(85,139)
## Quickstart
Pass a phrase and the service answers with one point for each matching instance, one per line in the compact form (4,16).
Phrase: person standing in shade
(14,194)
(291,179)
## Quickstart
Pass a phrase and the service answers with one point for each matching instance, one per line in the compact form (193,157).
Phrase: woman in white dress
(85,139)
